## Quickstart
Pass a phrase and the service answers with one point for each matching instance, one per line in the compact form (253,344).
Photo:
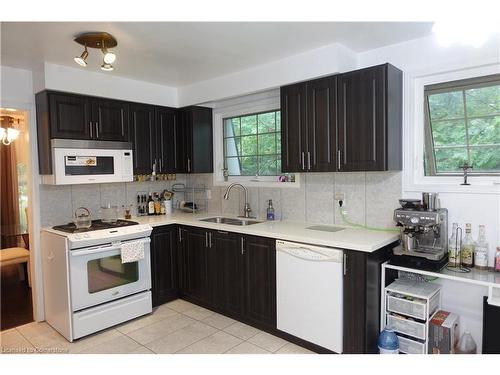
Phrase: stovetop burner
(96,225)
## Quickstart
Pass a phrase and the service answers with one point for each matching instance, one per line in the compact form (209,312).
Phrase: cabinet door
(183,136)
(201,142)
(361,120)
(195,258)
(321,125)
(111,119)
(293,128)
(260,280)
(226,269)
(164,264)
(69,117)
(166,136)
(142,135)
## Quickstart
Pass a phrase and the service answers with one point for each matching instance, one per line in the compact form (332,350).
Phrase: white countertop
(348,238)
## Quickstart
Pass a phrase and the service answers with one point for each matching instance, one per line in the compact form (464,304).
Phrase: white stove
(87,288)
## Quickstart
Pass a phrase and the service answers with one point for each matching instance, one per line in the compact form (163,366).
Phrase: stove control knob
(414,220)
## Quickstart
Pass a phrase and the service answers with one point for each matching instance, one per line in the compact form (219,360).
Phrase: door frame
(34,228)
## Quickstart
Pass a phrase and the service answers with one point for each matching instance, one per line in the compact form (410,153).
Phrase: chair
(17,255)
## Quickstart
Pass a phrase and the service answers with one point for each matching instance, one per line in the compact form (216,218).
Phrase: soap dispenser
(270,210)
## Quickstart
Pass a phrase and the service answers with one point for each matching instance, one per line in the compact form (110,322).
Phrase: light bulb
(107,67)
(109,58)
(80,60)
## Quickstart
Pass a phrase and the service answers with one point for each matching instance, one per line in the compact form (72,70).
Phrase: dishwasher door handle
(325,258)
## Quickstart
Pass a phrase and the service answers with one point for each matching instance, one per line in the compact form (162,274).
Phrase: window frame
(414,178)
(257,155)
(457,85)
(254,103)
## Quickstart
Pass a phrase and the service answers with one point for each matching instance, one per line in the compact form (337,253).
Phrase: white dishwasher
(309,288)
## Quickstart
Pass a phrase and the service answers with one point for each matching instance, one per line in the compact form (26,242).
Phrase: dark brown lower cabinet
(195,257)
(362,300)
(164,264)
(260,280)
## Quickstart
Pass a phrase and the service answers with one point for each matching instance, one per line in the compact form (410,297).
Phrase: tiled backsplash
(371,198)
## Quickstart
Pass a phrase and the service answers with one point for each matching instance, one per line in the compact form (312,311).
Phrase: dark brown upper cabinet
(370,119)
(109,119)
(195,140)
(308,129)
(167,129)
(321,125)
(347,122)
(69,116)
(293,127)
(142,134)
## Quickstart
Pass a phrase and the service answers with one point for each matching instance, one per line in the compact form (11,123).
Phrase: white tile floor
(176,327)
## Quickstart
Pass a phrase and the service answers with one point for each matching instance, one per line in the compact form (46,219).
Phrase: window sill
(478,187)
(263,184)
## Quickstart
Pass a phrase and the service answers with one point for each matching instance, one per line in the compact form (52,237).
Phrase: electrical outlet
(340,197)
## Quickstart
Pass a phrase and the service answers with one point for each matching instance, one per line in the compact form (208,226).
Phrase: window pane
(266,122)
(278,167)
(267,144)
(447,133)
(249,145)
(278,121)
(483,101)
(249,125)
(278,143)
(232,146)
(249,166)
(232,127)
(446,105)
(233,166)
(267,165)
(484,130)
(485,159)
(450,159)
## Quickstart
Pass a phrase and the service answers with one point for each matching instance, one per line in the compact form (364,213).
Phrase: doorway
(15,255)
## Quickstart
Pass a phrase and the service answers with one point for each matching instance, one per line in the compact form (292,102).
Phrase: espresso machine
(423,234)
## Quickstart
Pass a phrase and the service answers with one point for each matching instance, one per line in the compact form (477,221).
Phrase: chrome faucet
(246,210)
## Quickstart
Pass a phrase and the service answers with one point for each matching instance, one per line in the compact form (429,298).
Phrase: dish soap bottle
(270,210)
(453,249)
(481,250)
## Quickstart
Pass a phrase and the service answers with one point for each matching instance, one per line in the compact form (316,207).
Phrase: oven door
(86,166)
(98,275)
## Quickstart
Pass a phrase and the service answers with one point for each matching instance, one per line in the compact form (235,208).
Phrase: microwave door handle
(91,130)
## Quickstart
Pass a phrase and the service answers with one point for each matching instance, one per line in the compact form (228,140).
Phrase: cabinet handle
(242,246)
(159,170)
(96,129)
(338,159)
(91,131)
(303,163)
(345,264)
(180,235)
(308,160)
(210,239)
(189,165)
(206,239)
(153,167)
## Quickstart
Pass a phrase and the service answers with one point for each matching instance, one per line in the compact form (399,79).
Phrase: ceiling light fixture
(80,60)
(8,134)
(98,40)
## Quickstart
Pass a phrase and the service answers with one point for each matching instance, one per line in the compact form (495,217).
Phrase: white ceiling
(181,53)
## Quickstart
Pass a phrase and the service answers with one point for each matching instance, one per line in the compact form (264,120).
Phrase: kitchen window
(462,125)
(252,144)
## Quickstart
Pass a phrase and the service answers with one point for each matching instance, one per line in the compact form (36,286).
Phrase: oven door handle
(102,249)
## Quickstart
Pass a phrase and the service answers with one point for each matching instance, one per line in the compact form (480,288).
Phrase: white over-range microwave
(89,162)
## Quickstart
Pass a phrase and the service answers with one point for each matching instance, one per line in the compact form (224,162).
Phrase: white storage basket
(409,346)
(407,327)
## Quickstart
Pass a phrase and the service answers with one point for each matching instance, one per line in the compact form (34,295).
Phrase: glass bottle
(481,250)
(151,205)
(453,249)
(468,248)
(497,260)
(270,210)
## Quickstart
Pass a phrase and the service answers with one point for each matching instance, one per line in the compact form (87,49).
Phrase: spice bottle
(468,248)
(481,250)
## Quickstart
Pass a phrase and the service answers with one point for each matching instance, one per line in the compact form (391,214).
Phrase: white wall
(63,78)
(307,65)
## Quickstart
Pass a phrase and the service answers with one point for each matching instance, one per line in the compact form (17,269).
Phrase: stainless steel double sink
(230,220)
